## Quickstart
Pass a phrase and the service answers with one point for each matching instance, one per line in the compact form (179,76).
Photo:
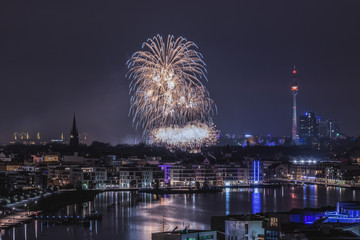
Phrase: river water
(129,215)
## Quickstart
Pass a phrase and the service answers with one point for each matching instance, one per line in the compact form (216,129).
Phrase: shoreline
(55,200)
(52,202)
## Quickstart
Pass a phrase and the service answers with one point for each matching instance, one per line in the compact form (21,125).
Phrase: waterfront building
(166,169)
(58,176)
(152,176)
(112,177)
(88,177)
(255,171)
(231,175)
(277,171)
(205,175)
(208,175)
(238,226)
(182,175)
(246,227)
(346,212)
(130,177)
(326,172)
(303,170)
(185,234)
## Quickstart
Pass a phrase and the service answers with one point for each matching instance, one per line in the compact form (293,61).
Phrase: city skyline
(55,65)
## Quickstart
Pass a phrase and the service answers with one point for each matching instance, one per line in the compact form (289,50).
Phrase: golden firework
(166,88)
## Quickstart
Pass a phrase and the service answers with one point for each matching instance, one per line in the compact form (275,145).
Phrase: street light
(27,209)
(13,213)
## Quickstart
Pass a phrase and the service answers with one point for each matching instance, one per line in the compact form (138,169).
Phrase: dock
(17,219)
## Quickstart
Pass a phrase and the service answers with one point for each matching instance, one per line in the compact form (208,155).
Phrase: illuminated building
(184,234)
(346,212)
(209,175)
(25,138)
(238,226)
(231,175)
(51,158)
(166,169)
(181,175)
(294,91)
(59,175)
(255,171)
(312,126)
(140,177)
(308,125)
(329,129)
(88,177)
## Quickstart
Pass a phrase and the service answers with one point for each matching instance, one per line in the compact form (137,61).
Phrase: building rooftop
(244,217)
(180,232)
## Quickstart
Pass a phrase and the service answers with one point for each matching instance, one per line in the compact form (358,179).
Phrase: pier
(17,219)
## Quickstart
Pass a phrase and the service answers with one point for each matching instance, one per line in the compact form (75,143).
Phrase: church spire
(74,137)
(74,129)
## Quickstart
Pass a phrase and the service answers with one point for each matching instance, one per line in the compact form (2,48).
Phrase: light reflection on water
(128,215)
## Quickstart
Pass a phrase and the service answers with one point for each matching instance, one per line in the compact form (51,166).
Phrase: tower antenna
(294,91)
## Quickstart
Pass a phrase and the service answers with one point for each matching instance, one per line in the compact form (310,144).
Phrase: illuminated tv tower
(294,91)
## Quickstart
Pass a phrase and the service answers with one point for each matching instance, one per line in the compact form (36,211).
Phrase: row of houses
(326,172)
(134,173)
(133,176)
(150,176)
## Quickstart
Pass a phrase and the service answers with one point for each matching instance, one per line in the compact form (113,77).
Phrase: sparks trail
(167,94)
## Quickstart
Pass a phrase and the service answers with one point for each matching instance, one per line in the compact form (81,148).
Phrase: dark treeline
(335,149)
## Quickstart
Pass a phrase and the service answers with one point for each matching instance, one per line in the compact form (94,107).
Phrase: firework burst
(192,135)
(166,88)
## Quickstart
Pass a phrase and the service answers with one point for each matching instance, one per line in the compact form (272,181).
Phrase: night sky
(61,57)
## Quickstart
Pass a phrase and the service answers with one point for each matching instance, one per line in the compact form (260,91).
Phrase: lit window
(273,222)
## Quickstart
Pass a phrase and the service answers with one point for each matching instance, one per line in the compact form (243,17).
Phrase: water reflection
(128,215)
(227,201)
(256,201)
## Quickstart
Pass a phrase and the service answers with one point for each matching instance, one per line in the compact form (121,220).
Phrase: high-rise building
(294,91)
(329,129)
(308,125)
(303,126)
(74,137)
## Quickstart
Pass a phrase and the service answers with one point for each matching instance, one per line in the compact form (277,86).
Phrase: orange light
(294,88)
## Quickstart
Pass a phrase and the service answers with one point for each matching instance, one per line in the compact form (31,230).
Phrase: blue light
(256,201)
(256,171)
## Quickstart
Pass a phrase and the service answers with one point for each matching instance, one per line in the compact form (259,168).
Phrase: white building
(88,177)
(244,227)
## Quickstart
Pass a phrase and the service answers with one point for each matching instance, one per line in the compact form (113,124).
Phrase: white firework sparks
(191,135)
(167,92)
